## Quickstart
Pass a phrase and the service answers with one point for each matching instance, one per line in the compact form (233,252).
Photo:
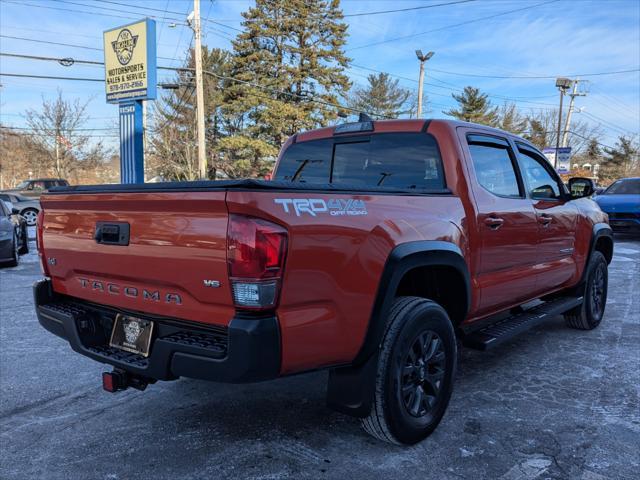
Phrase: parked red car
(376,246)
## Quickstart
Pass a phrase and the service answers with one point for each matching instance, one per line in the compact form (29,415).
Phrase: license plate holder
(131,334)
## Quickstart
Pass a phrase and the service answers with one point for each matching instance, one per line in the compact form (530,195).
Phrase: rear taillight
(43,261)
(256,252)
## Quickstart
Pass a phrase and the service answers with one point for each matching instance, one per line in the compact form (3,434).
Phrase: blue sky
(564,37)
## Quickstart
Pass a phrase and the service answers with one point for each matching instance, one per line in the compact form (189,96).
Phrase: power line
(536,77)
(457,90)
(380,12)
(50,77)
(73,45)
(73,10)
(403,37)
(75,129)
(153,10)
(50,43)
(283,92)
(71,61)
(608,123)
(59,60)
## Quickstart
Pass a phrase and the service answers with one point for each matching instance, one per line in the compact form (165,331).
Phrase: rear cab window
(392,160)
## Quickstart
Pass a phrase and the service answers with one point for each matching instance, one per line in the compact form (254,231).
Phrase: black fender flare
(600,230)
(350,388)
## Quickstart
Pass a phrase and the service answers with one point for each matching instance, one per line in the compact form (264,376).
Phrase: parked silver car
(28,207)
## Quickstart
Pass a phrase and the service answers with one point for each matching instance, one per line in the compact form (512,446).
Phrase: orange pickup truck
(377,250)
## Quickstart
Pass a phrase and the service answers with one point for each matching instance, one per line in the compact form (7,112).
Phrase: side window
(540,184)
(493,166)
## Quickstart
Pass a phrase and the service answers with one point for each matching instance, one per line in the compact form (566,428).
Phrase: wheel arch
(601,241)
(410,259)
(350,388)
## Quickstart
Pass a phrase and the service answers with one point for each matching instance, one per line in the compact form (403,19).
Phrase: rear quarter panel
(335,262)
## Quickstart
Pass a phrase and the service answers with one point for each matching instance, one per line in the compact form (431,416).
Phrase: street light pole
(423,59)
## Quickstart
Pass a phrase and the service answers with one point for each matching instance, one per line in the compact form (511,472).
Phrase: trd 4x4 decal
(314,206)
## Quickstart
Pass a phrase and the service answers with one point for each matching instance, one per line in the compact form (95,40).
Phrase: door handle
(493,222)
(545,219)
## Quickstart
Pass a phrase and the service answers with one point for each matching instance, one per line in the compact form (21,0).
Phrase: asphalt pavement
(553,403)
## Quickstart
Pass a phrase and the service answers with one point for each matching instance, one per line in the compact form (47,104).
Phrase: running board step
(505,329)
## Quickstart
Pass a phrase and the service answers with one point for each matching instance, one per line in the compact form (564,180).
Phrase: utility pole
(423,59)
(563,85)
(202,154)
(567,124)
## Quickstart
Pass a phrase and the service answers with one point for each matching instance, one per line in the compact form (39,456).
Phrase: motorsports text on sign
(130,62)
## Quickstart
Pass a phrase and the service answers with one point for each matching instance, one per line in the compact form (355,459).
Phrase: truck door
(505,223)
(557,218)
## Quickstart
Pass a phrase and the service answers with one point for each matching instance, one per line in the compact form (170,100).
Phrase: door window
(540,183)
(494,166)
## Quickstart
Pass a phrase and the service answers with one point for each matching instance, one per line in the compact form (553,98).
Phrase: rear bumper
(248,350)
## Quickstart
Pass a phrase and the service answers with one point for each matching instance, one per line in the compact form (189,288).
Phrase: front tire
(416,368)
(589,315)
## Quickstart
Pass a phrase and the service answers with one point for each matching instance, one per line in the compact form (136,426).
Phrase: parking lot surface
(553,403)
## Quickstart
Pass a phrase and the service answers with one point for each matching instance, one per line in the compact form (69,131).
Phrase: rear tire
(589,315)
(416,368)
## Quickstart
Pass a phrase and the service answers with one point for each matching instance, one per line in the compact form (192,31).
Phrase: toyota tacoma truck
(376,251)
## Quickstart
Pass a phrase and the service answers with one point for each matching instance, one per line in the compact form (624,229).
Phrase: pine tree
(510,119)
(621,160)
(538,133)
(594,152)
(382,97)
(290,52)
(474,106)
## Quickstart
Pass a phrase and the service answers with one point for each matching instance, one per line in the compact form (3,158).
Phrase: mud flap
(351,389)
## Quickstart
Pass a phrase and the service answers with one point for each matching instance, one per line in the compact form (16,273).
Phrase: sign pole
(131,142)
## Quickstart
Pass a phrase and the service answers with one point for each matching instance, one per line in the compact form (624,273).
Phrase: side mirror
(580,187)
(15,211)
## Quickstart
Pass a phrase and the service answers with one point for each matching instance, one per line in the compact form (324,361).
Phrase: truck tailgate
(174,263)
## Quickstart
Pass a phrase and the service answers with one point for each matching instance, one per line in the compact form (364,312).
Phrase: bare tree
(543,131)
(56,134)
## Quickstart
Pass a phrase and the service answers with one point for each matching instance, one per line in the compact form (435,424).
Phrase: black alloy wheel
(421,374)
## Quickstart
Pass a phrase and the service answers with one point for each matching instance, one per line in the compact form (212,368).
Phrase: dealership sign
(563,165)
(130,62)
